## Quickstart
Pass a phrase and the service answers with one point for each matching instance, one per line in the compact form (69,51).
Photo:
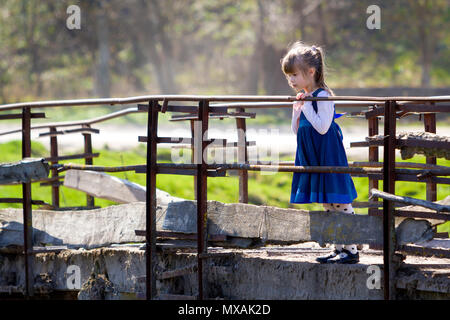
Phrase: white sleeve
(294,123)
(321,121)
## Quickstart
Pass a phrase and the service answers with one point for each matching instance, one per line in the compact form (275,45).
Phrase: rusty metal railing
(85,128)
(387,108)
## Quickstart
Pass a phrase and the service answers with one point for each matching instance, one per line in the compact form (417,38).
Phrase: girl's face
(298,80)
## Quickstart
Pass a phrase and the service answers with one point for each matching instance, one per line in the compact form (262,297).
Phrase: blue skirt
(314,149)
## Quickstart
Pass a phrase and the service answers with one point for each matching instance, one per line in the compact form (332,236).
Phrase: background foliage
(134,47)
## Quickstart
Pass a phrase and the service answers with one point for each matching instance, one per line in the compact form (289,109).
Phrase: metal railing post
(388,206)
(150,237)
(54,154)
(192,123)
(429,120)
(202,198)
(373,152)
(27,211)
(242,156)
(90,202)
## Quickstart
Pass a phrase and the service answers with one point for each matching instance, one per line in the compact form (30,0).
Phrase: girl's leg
(346,208)
(330,208)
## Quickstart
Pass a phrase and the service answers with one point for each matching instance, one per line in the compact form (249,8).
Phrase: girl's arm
(296,110)
(321,121)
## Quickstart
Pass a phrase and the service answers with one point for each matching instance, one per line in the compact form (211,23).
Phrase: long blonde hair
(302,57)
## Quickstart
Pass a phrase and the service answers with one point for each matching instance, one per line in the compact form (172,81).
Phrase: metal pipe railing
(61,124)
(196,98)
(151,168)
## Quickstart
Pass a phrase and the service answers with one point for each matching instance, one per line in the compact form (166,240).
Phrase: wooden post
(90,203)
(242,156)
(150,225)
(27,211)
(429,120)
(388,206)
(54,154)
(202,197)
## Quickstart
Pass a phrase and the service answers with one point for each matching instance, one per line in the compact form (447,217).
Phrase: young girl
(319,142)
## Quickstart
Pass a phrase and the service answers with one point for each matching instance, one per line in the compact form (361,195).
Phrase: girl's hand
(299,104)
(300,95)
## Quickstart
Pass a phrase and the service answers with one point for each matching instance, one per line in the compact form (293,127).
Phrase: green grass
(264,189)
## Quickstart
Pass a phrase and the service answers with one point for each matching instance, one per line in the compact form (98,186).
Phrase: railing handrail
(151,170)
(86,122)
(227,98)
(252,105)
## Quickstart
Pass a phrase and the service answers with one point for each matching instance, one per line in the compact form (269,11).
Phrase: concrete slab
(272,224)
(83,228)
(117,224)
(273,272)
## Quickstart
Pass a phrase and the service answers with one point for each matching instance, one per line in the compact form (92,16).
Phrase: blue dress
(315,149)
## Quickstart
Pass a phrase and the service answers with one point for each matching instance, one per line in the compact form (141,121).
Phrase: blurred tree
(102,74)
(425,18)
(213,47)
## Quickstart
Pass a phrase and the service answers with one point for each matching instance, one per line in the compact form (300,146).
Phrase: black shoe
(331,255)
(345,257)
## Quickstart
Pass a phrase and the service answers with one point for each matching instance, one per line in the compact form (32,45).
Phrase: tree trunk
(425,43)
(167,53)
(256,62)
(152,21)
(322,24)
(138,61)
(297,9)
(30,28)
(274,80)
(103,83)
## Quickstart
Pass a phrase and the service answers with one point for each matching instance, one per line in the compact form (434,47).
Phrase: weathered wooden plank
(408,200)
(289,225)
(437,247)
(117,224)
(23,171)
(102,185)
